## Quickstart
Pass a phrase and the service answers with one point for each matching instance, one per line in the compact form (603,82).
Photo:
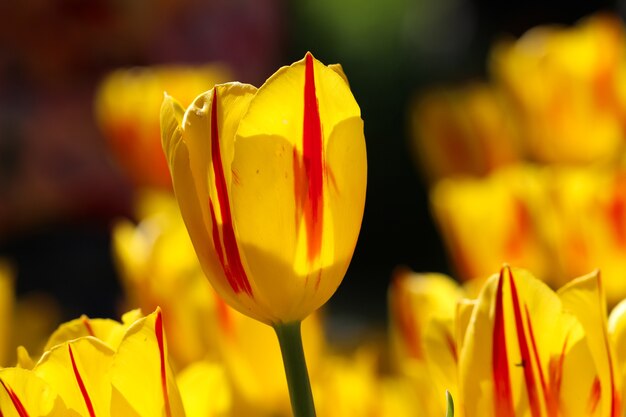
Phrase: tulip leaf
(450,401)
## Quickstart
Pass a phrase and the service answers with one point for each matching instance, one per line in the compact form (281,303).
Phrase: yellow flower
(464,131)
(353,387)
(127,107)
(522,349)
(563,85)
(271,185)
(486,222)
(584,224)
(422,332)
(558,221)
(530,351)
(104,368)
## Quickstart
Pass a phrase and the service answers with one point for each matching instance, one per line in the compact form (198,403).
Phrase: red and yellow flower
(271,185)
(127,110)
(519,349)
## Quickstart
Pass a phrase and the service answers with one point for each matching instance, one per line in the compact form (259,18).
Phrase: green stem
(290,340)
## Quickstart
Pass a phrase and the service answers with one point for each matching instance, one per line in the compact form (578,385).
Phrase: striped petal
(24,394)
(299,190)
(142,380)
(79,371)
(512,361)
(584,298)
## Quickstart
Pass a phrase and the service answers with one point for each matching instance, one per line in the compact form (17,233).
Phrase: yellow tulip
(24,394)
(27,320)
(200,378)
(519,349)
(563,85)
(422,331)
(126,373)
(530,351)
(487,222)
(353,387)
(464,131)
(127,107)
(271,185)
(584,224)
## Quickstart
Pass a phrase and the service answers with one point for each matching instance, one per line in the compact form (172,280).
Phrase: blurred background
(62,185)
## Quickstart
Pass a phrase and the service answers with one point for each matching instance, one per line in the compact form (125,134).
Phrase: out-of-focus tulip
(271,185)
(127,108)
(205,390)
(423,334)
(258,384)
(158,267)
(27,320)
(462,132)
(353,387)
(6,311)
(584,224)
(563,86)
(488,222)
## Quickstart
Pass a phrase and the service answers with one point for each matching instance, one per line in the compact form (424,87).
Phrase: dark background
(60,189)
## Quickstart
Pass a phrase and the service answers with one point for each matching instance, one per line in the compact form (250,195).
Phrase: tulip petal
(347,178)
(617,335)
(79,371)
(105,330)
(24,394)
(191,187)
(584,297)
(529,333)
(143,383)
(464,310)
(196,381)
(266,181)
(278,107)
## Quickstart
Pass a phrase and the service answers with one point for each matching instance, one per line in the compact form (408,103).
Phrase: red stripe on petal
(406,321)
(312,145)
(85,320)
(228,253)
(81,384)
(158,331)
(555,369)
(19,407)
(594,396)
(503,396)
(451,345)
(527,361)
(535,352)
